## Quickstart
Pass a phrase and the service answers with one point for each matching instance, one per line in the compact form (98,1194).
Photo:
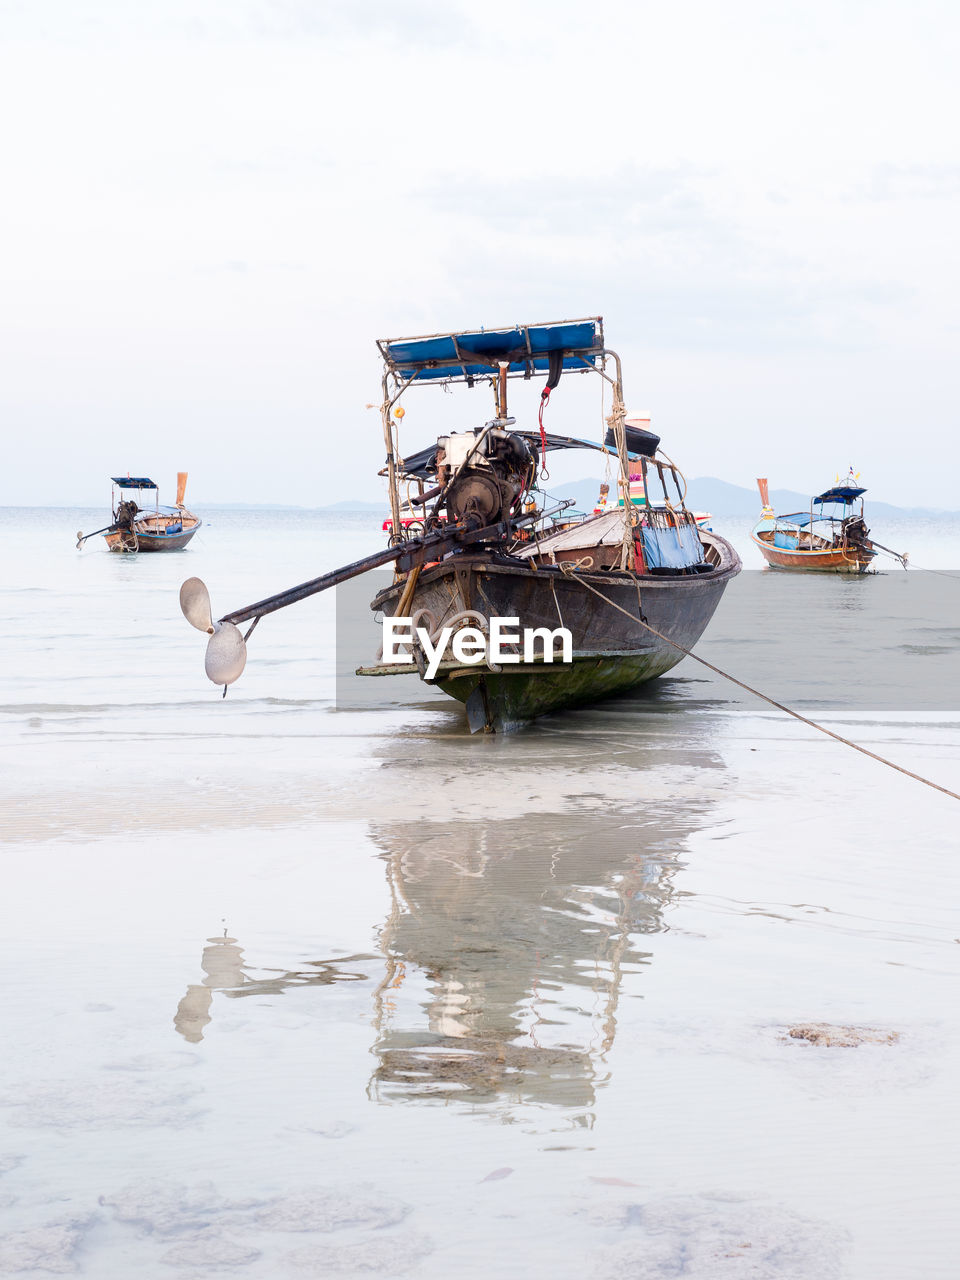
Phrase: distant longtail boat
(135,528)
(832,537)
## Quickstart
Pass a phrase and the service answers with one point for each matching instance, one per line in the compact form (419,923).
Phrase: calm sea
(299,987)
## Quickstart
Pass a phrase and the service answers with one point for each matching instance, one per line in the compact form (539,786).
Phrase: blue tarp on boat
(786,539)
(526,348)
(133,482)
(672,548)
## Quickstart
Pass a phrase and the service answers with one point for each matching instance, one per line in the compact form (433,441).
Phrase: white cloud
(213,209)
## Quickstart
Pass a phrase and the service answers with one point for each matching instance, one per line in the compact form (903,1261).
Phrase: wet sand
(300,990)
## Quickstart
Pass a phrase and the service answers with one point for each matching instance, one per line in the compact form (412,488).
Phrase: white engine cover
(457,446)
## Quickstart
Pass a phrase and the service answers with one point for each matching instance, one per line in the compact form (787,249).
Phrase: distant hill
(251,506)
(706,493)
(349,505)
(724,499)
(583,492)
(346,506)
(721,498)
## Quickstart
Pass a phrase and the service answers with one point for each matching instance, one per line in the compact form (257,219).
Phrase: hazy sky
(212,208)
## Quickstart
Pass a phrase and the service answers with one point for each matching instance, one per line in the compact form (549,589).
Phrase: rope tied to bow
(570,573)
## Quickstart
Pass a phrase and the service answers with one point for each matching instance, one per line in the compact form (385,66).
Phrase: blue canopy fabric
(133,482)
(678,548)
(844,493)
(802,519)
(464,356)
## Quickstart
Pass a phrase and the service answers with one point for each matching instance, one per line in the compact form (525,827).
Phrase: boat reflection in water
(517,939)
(224,970)
(508,947)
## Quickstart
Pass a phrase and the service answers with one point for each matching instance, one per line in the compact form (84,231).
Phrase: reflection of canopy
(465,356)
(133,482)
(522,940)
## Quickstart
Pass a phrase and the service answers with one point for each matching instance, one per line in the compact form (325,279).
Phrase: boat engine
(126,514)
(485,471)
(856,532)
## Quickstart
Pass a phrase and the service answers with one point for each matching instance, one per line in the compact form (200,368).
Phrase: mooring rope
(941,573)
(756,692)
(918,568)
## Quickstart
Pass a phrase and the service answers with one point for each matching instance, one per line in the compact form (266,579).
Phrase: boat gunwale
(451,668)
(835,559)
(728,568)
(809,551)
(155,541)
(164,537)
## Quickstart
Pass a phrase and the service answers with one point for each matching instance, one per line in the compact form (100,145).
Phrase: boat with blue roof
(831,537)
(139,527)
(631,588)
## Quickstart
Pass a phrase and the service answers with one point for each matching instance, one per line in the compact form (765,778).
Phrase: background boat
(829,538)
(159,529)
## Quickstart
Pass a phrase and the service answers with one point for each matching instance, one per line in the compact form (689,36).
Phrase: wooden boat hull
(503,702)
(612,652)
(830,560)
(138,540)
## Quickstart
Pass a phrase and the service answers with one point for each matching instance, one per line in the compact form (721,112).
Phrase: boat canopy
(527,349)
(802,518)
(133,482)
(423,464)
(845,493)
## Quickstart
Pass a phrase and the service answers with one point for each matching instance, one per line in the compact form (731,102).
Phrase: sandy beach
(285,996)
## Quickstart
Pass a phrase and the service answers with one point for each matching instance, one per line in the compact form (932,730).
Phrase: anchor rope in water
(940,573)
(568,573)
(919,568)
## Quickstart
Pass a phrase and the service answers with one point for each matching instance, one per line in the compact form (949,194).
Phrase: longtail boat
(136,528)
(831,537)
(625,593)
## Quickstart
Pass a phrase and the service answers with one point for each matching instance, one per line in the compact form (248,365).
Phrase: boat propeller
(226,654)
(82,537)
(227,648)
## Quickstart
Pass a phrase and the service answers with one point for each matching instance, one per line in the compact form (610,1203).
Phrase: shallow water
(297,988)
